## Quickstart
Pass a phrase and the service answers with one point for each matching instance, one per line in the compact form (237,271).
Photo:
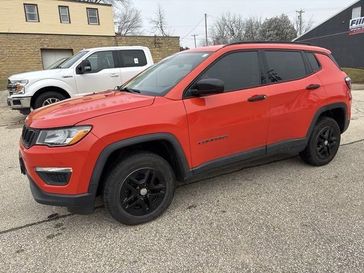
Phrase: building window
(93,16)
(64,14)
(31,12)
(356,12)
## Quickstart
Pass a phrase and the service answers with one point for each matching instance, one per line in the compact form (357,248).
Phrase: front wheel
(48,98)
(139,188)
(323,144)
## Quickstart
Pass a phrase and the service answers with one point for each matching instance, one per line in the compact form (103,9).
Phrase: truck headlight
(18,86)
(62,136)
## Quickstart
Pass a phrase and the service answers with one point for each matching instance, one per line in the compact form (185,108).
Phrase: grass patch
(356,75)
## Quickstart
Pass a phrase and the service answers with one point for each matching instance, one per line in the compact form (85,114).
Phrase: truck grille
(29,136)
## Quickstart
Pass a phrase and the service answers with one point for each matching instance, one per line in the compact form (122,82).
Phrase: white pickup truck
(90,70)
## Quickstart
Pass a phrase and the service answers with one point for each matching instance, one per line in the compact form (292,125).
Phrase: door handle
(313,86)
(114,75)
(256,98)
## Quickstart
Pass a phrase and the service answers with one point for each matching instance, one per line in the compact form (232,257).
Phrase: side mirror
(84,67)
(207,87)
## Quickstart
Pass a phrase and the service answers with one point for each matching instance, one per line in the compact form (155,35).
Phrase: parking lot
(282,216)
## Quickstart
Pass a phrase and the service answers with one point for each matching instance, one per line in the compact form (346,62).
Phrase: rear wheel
(323,144)
(139,189)
(48,98)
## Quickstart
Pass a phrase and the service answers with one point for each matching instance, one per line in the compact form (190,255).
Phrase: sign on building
(356,25)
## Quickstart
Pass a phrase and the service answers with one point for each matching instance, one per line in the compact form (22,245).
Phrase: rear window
(314,63)
(285,65)
(132,58)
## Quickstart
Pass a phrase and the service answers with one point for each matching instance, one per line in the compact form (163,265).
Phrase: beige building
(36,33)
(56,17)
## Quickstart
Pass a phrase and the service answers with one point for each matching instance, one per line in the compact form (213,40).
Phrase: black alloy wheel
(143,191)
(323,143)
(139,188)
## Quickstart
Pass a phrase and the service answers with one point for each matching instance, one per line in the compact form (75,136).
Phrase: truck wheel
(139,188)
(323,144)
(48,98)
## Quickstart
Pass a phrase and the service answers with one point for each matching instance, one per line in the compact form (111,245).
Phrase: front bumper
(18,102)
(81,203)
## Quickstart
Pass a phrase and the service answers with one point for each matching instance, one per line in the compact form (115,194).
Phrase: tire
(25,111)
(131,195)
(323,144)
(47,98)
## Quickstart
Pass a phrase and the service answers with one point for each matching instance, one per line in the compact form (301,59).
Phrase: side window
(31,12)
(132,58)
(285,65)
(237,70)
(101,60)
(314,63)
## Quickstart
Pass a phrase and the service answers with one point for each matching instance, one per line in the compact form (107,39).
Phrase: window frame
(68,13)
(88,16)
(308,69)
(186,92)
(357,8)
(25,13)
(115,59)
(121,61)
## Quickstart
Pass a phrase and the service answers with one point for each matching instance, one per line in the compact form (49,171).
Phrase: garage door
(50,56)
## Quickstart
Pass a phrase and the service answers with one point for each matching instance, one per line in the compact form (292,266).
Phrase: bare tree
(278,28)
(233,28)
(159,22)
(228,28)
(128,20)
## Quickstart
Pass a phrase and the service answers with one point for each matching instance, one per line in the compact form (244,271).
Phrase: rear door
(132,61)
(104,74)
(294,92)
(230,123)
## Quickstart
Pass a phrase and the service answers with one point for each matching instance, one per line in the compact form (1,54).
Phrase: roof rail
(266,42)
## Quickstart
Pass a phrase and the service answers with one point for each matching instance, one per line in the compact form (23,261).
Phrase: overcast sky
(185,17)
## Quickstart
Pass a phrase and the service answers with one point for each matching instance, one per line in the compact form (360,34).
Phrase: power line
(193,29)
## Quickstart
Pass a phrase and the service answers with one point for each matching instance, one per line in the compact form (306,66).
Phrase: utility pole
(194,38)
(207,41)
(300,21)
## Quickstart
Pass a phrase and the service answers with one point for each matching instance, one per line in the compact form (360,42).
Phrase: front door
(233,123)
(104,73)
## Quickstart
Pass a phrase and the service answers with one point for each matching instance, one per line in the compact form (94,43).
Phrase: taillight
(348,83)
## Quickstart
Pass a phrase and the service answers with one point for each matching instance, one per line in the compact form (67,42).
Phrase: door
(232,122)
(104,73)
(132,62)
(294,94)
(50,56)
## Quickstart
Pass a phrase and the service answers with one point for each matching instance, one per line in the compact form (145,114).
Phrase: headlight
(62,136)
(18,86)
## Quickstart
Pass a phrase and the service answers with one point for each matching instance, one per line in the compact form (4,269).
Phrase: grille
(29,136)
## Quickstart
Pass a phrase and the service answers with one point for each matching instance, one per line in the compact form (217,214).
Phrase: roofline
(357,1)
(266,42)
(87,3)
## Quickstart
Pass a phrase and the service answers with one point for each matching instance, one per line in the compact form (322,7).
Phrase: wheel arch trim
(108,150)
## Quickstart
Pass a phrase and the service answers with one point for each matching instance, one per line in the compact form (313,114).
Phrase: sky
(186,17)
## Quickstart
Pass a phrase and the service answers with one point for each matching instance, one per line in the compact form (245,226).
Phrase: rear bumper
(19,102)
(82,203)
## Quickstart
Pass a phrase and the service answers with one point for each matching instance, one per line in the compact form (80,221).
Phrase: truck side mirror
(84,67)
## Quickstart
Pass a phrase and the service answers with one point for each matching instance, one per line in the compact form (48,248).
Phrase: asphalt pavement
(283,216)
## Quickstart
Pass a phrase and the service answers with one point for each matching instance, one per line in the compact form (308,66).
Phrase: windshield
(57,63)
(160,78)
(73,59)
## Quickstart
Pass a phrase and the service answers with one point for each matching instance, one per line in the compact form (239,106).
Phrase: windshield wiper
(127,89)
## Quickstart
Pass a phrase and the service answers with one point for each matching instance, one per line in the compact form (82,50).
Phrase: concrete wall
(22,52)
(12,18)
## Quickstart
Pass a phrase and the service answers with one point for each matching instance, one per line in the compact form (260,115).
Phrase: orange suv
(193,112)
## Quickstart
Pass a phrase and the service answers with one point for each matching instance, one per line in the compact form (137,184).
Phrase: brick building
(36,33)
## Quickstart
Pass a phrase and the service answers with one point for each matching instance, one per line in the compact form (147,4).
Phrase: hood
(37,75)
(73,111)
